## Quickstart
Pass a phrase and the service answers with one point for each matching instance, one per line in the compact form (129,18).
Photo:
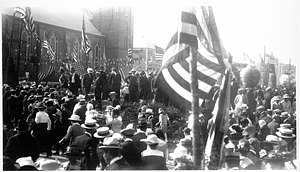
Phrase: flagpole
(10,49)
(20,42)
(195,110)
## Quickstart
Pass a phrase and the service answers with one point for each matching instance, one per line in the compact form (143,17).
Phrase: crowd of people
(73,123)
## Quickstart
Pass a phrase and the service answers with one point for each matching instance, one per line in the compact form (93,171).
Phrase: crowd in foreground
(261,135)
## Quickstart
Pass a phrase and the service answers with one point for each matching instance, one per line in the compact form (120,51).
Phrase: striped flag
(45,71)
(194,30)
(218,129)
(86,45)
(159,53)
(27,18)
(129,52)
(47,46)
(122,76)
(74,54)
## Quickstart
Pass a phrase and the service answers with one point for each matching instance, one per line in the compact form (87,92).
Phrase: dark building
(109,29)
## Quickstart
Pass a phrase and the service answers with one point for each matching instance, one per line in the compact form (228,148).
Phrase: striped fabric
(45,71)
(129,52)
(78,68)
(27,18)
(194,31)
(122,76)
(50,52)
(219,126)
(74,54)
(86,45)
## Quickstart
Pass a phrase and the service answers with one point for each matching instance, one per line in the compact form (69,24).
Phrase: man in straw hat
(88,144)
(129,151)
(153,159)
(88,80)
(276,104)
(101,134)
(73,131)
(73,154)
(29,146)
(112,155)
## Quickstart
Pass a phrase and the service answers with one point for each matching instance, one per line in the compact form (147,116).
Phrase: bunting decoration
(50,52)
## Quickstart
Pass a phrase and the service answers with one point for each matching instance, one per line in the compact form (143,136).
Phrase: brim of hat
(148,142)
(175,155)
(271,142)
(74,119)
(288,137)
(142,125)
(108,135)
(84,126)
(78,154)
(110,147)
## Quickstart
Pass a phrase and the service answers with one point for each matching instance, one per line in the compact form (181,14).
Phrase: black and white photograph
(149,85)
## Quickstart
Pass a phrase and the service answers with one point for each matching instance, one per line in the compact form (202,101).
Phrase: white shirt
(43,117)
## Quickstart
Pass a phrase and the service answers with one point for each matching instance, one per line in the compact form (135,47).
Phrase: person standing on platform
(63,79)
(74,82)
(87,81)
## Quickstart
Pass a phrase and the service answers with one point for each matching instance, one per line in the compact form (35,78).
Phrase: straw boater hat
(286,96)
(150,111)
(260,108)
(103,132)
(73,150)
(109,108)
(80,96)
(179,152)
(277,98)
(285,126)
(286,133)
(110,143)
(272,139)
(90,124)
(152,139)
(40,105)
(284,115)
(74,117)
(112,93)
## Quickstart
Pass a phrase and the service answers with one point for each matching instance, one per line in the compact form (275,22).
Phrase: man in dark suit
(140,134)
(114,80)
(112,155)
(22,144)
(129,151)
(274,125)
(88,144)
(74,82)
(88,80)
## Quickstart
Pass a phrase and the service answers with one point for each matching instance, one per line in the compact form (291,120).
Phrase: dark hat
(73,150)
(186,130)
(103,132)
(142,123)
(110,143)
(231,155)
(40,105)
(249,130)
(82,101)
(235,136)
(128,131)
(22,125)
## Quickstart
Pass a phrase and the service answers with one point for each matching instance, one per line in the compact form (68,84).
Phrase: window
(53,44)
(25,40)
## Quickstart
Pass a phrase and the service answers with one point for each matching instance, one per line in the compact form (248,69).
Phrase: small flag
(86,45)
(50,52)
(271,59)
(129,52)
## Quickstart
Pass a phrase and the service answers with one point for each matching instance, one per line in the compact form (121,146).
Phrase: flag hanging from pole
(196,30)
(27,18)
(45,71)
(51,53)
(86,45)
(219,125)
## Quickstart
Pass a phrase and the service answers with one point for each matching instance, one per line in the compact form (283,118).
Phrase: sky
(250,27)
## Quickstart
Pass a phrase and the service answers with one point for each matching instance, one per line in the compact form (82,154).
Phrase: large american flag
(27,18)
(195,30)
(86,45)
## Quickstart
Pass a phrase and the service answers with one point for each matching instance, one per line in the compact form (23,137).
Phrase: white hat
(25,161)
(152,139)
(179,151)
(49,165)
(110,143)
(74,117)
(103,132)
(285,133)
(149,111)
(90,70)
(90,124)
